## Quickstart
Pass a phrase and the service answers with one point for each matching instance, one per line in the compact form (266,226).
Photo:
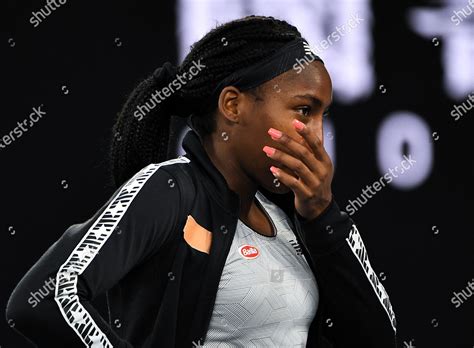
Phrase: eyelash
(308,108)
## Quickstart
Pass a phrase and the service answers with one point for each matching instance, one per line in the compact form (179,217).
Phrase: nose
(317,126)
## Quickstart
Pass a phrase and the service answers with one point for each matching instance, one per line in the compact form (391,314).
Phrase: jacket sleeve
(51,305)
(358,309)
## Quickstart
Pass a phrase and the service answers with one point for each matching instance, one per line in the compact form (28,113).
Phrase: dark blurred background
(397,74)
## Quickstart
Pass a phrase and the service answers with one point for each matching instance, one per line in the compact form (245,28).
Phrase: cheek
(285,126)
(274,116)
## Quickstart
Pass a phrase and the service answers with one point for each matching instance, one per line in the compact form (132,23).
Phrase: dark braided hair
(137,142)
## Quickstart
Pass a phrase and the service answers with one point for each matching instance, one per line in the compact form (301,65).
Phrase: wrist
(318,212)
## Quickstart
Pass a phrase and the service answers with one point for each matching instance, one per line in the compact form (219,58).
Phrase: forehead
(313,79)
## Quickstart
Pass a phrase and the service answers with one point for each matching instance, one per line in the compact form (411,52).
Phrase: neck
(221,155)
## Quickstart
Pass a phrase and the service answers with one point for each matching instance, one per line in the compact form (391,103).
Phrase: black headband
(296,54)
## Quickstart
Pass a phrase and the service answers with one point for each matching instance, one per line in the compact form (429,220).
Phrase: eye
(306,109)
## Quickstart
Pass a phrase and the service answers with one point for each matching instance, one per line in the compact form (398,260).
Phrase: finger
(291,182)
(312,139)
(284,160)
(295,149)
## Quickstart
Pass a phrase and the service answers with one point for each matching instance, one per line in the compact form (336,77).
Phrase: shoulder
(166,185)
(155,175)
(177,172)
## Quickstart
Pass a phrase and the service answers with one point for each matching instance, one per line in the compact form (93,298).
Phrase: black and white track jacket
(161,291)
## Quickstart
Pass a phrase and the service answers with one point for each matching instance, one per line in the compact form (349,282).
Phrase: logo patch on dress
(248,251)
(297,247)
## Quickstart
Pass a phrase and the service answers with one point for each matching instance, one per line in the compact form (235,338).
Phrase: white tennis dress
(267,293)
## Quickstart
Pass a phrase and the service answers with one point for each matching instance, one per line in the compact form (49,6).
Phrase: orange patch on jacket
(197,236)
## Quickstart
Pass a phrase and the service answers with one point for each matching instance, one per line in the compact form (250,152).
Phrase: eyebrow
(315,101)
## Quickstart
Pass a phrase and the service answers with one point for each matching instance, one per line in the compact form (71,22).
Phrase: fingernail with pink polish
(299,125)
(274,170)
(275,133)
(269,150)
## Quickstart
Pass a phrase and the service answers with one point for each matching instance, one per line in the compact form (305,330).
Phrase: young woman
(237,243)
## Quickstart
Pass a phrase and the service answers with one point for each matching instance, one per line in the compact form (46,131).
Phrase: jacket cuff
(327,230)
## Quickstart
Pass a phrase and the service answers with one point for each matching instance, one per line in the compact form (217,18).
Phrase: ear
(230,103)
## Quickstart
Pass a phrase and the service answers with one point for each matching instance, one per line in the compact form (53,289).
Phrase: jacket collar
(215,182)
(212,178)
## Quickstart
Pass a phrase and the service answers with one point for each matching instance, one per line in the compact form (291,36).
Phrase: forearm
(49,321)
(357,302)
